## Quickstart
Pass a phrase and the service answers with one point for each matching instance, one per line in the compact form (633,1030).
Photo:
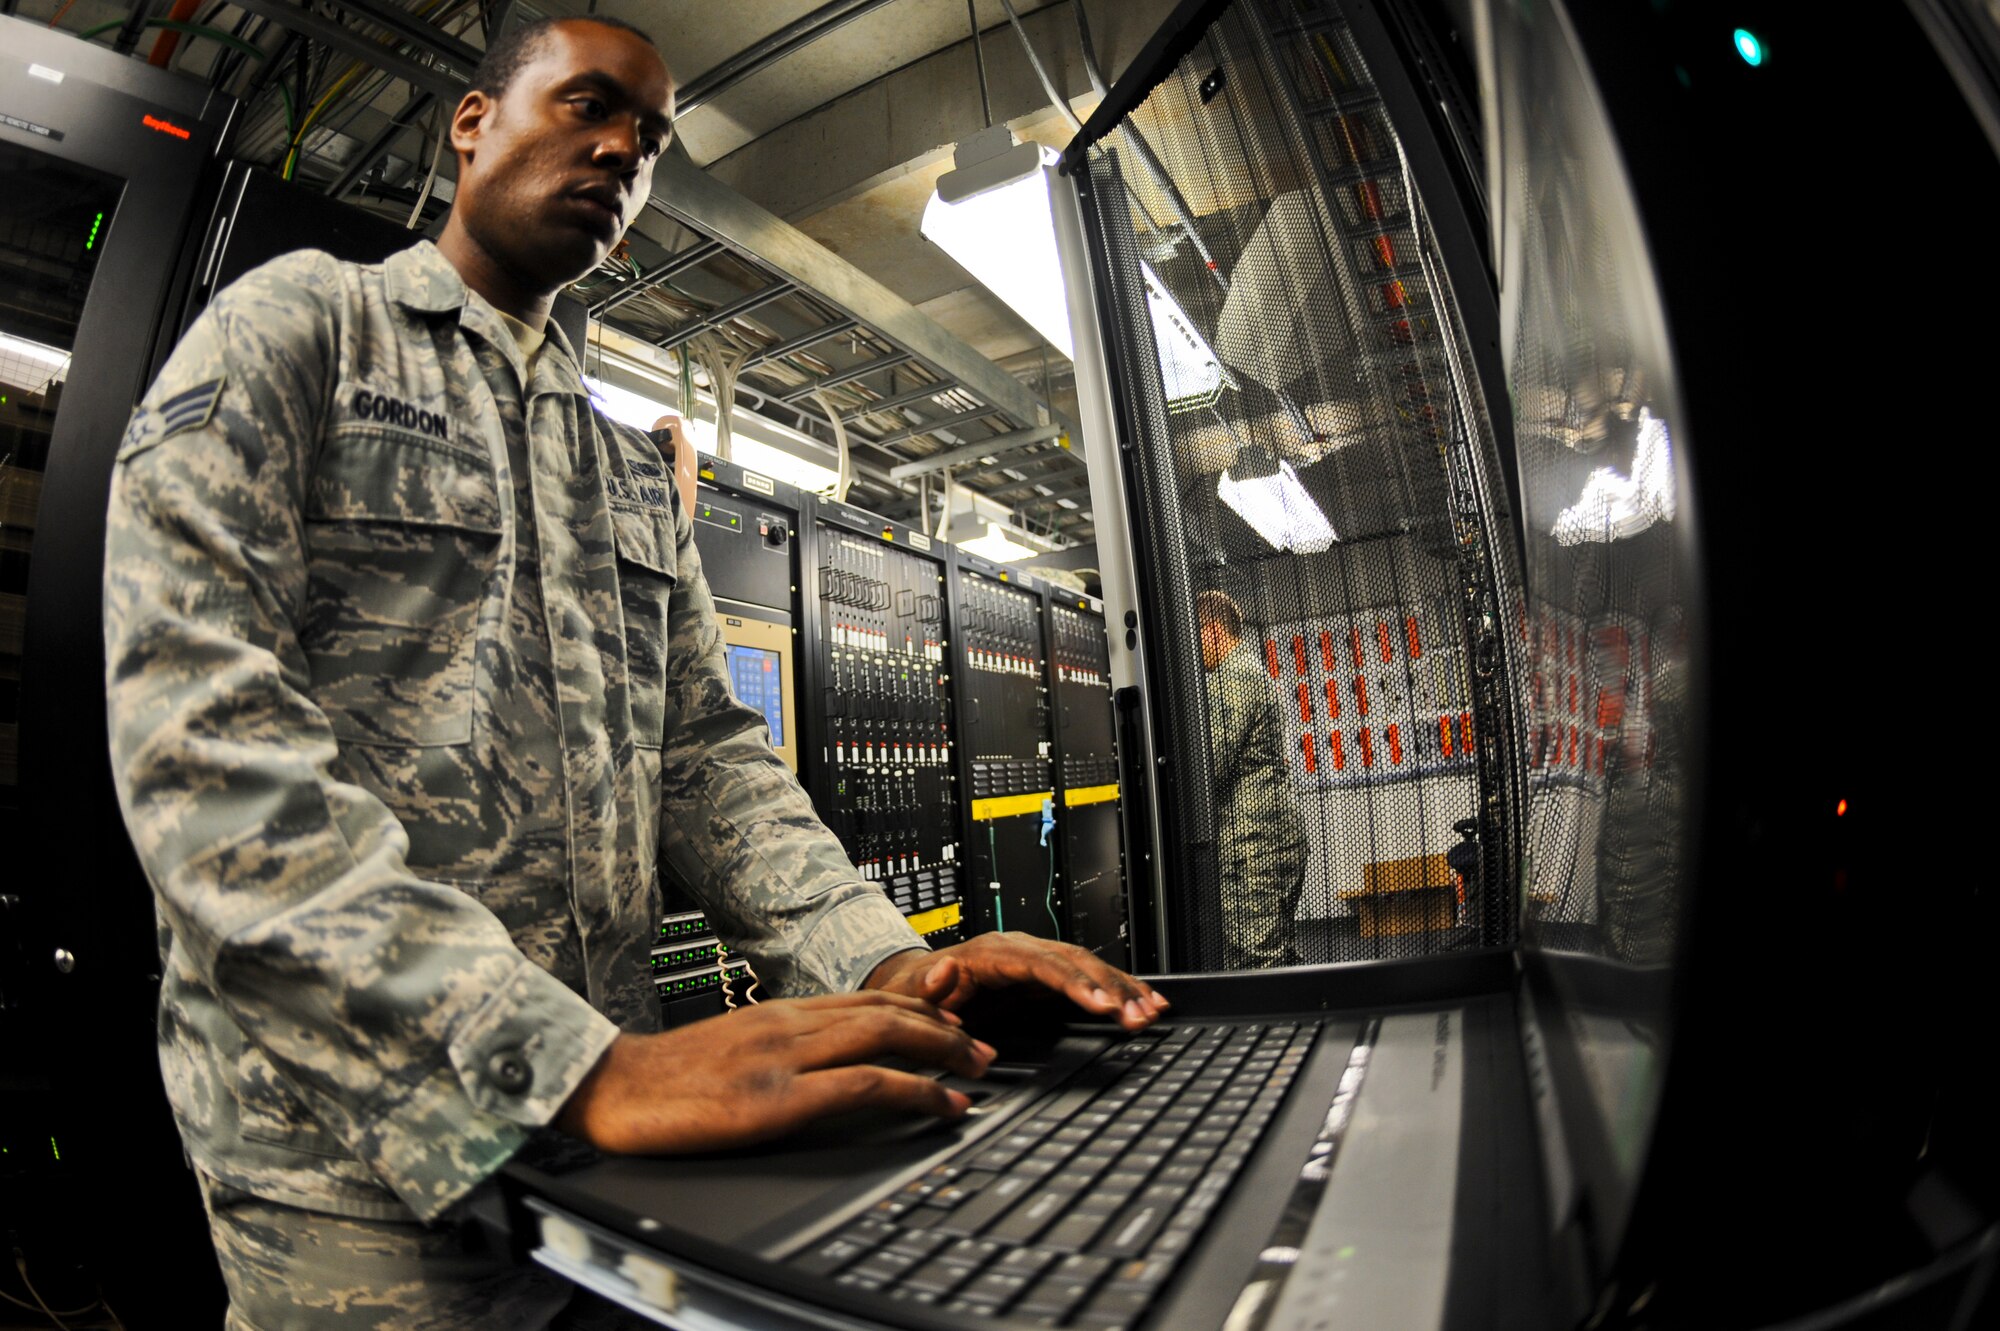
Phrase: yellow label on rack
(1006,806)
(944,917)
(1090,795)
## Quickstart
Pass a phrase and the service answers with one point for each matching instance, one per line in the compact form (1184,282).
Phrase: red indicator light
(1326,651)
(1840,809)
(1299,653)
(1465,731)
(1368,195)
(1367,748)
(1335,752)
(164,126)
(1312,759)
(1395,739)
(1410,632)
(1354,640)
(1361,694)
(1444,735)
(1382,641)
(1333,699)
(1271,657)
(1385,251)
(1305,704)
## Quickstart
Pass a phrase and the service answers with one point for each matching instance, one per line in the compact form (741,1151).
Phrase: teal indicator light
(91,242)
(1749,47)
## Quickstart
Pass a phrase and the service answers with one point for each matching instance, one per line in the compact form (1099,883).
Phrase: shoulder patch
(189,409)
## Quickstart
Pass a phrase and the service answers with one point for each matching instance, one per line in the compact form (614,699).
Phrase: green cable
(228,39)
(291,112)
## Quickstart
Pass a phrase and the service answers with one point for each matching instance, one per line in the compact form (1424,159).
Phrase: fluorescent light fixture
(32,364)
(759,455)
(1005,235)
(1280,510)
(1188,365)
(1614,506)
(997,545)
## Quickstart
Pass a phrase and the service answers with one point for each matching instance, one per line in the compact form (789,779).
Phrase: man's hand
(749,1076)
(950,976)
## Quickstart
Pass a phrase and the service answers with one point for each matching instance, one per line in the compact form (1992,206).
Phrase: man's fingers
(836,1090)
(873,998)
(861,1035)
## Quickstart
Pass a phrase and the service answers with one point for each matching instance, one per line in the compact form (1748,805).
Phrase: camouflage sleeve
(738,830)
(399,1009)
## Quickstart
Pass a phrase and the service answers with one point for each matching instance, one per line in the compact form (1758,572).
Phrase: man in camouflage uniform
(1261,846)
(414,681)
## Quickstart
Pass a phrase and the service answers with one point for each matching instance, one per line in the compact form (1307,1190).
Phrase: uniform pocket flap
(642,541)
(392,476)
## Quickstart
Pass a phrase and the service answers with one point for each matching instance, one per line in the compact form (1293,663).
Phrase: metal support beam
(794,36)
(692,257)
(847,376)
(999,443)
(414,30)
(811,337)
(932,427)
(359,164)
(1075,558)
(920,393)
(690,196)
(718,317)
(1065,484)
(442,80)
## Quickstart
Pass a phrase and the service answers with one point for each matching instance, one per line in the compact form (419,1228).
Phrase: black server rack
(880,737)
(1007,752)
(1088,805)
(746,530)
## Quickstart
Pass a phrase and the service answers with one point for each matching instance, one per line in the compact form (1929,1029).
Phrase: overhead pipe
(794,36)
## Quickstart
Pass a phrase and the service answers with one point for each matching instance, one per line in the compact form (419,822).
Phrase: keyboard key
(1074,1231)
(1133,1231)
(974,1253)
(996,1289)
(919,1243)
(1022,1224)
(1142,1274)
(937,1276)
(829,1257)
(1028,1262)
(1054,1297)
(1117,1306)
(964,1188)
(972,1216)
(884,1266)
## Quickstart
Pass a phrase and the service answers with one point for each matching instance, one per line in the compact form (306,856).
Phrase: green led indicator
(53,1150)
(91,242)
(1749,47)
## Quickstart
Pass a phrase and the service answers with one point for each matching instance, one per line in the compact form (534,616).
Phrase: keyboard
(1077,1215)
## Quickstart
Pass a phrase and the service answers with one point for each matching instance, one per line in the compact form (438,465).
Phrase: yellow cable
(299,136)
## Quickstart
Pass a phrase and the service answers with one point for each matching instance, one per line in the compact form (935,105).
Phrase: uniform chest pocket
(403,541)
(647,572)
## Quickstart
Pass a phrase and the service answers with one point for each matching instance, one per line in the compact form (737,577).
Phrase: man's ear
(468,120)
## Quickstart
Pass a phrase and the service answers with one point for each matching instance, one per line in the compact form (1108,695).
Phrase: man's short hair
(504,59)
(1221,610)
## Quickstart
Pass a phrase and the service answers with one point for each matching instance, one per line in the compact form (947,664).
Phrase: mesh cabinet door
(1316,506)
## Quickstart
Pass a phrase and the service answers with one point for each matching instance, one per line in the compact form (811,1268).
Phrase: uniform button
(510,1072)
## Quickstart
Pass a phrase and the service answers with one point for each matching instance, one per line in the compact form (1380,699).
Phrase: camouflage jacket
(1258,826)
(415,687)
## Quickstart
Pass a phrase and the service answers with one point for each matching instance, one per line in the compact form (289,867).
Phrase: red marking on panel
(1271,657)
(1333,699)
(1382,641)
(1395,738)
(1305,702)
(1361,694)
(1326,650)
(1444,735)
(1410,632)
(1299,652)
(1354,640)
(1465,731)
(1368,197)
(1312,759)
(1367,748)
(1385,250)
(1335,751)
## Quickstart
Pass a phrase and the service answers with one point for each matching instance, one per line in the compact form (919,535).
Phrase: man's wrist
(895,966)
